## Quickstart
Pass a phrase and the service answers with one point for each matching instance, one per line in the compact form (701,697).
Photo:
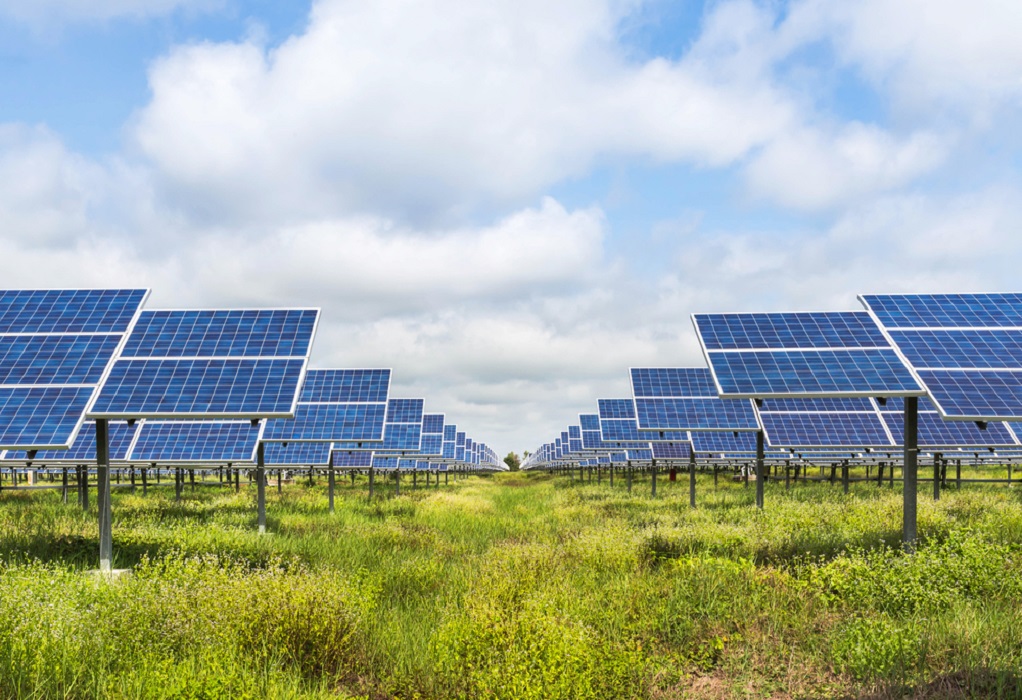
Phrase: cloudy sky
(511,202)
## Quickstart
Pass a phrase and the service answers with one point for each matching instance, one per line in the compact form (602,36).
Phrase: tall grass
(515,586)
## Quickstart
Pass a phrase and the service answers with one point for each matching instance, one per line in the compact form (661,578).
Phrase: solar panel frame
(973,387)
(110,404)
(57,411)
(867,367)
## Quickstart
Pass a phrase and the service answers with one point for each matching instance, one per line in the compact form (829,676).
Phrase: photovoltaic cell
(676,382)
(433,424)
(352,459)
(329,422)
(55,347)
(195,441)
(672,450)
(346,386)
(69,310)
(777,331)
(616,408)
(852,430)
(236,387)
(695,414)
(965,348)
(296,454)
(83,449)
(210,364)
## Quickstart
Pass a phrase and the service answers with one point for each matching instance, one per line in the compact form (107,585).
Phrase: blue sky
(511,203)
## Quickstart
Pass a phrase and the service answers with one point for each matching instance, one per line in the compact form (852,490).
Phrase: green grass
(515,586)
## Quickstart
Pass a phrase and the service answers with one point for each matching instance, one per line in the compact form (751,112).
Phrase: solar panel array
(210,364)
(965,348)
(823,354)
(56,347)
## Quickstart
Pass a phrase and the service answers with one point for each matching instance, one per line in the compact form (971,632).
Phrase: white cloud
(431,107)
(811,169)
(925,53)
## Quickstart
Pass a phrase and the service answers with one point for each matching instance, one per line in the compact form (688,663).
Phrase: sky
(510,203)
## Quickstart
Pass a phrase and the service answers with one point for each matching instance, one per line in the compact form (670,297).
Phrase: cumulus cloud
(431,106)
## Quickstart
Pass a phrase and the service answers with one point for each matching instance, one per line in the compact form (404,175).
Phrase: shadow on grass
(961,685)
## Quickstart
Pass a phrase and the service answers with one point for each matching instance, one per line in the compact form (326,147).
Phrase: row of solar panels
(198,386)
(825,381)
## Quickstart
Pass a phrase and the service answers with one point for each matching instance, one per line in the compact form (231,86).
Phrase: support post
(84,485)
(612,476)
(261,485)
(653,469)
(106,541)
(692,480)
(145,480)
(280,481)
(936,476)
(397,480)
(237,481)
(909,473)
(372,474)
(958,474)
(63,482)
(628,478)
(330,488)
(844,476)
(759,469)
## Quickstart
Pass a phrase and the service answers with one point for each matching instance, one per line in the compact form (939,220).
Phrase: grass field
(515,586)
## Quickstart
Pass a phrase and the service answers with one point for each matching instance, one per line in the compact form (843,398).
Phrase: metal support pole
(145,481)
(106,540)
(958,474)
(372,474)
(760,476)
(415,479)
(179,483)
(936,477)
(692,480)
(909,472)
(191,479)
(844,476)
(654,479)
(280,481)
(787,475)
(237,481)
(261,485)
(84,485)
(612,476)
(330,489)
(397,481)
(63,482)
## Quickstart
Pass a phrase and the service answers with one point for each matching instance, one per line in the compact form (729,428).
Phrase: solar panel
(205,442)
(55,348)
(336,405)
(402,431)
(672,450)
(937,433)
(83,449)
(210,364)
(832,430)
(352,459)
(296,454)
(965,348)
(802,355)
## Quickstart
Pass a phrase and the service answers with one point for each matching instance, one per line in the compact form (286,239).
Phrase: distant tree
(512,461)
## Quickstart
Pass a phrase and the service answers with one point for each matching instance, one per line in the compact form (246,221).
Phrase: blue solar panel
(449,450)
(223,333)
(41,416)
(196,441)
(55,359)
(841,329)
(236,387)
(352,460)
(574,432)
(460,440)
(695,414)
(672,450)
(966,349)
(55,347)
(83,449)
(820,404)
(934,431)
(345,386)
(433,424)
(824,430)
(431,444)
(296,454)
(987,395)
(69,310)
(861,372)
(329,422)
(674,382)
(404,411)
(592,440)
(616,408)
(575,445)
(401,436)
(450,433)
(961,349)
(946,310)
(589,421)
(639,455)
(732,443)
(620,430)
(384,462)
